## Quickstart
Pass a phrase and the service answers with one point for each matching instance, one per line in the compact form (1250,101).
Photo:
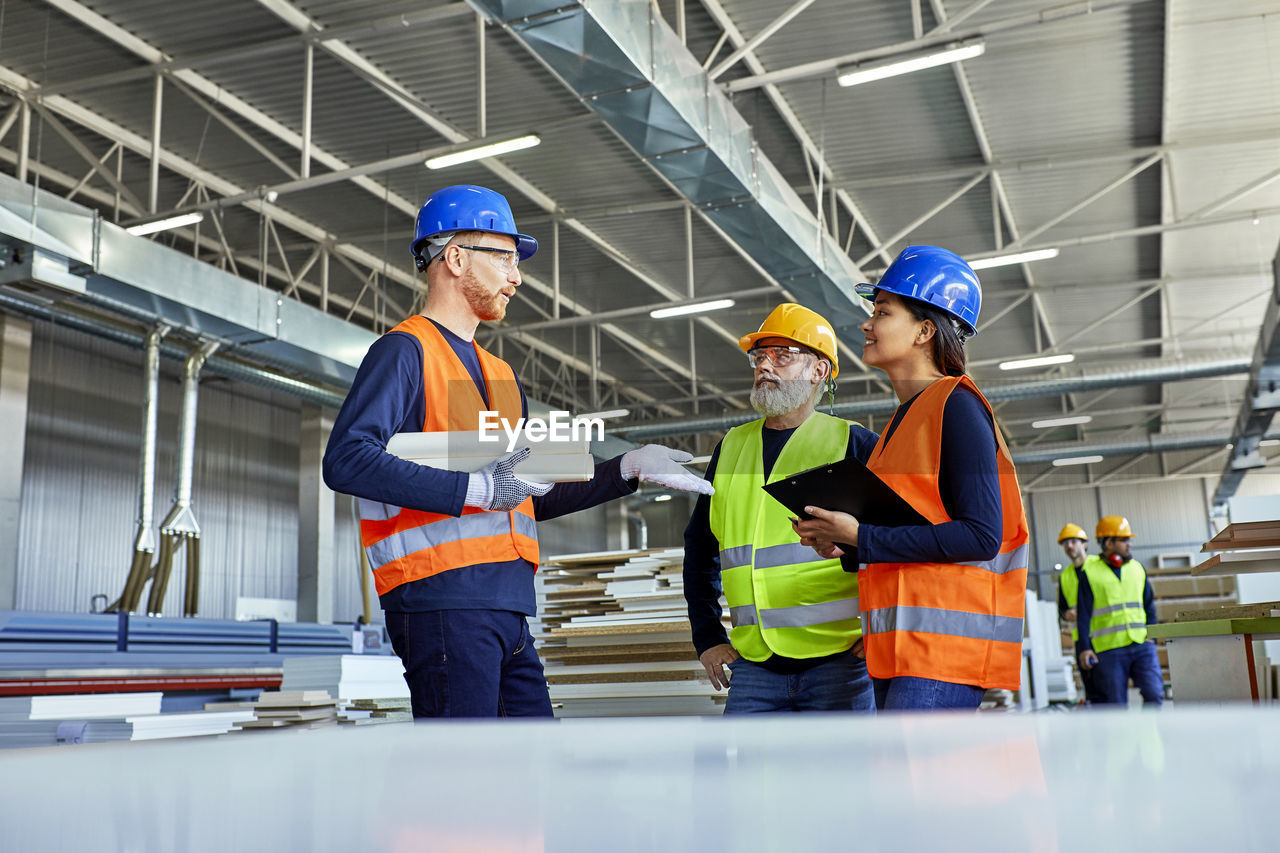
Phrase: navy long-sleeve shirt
(702,587)
(969,484)
(387,398)
(1084,607)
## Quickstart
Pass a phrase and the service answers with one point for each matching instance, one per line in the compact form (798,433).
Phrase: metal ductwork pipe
(179,526)
(220,365)
(1136,373)
(1161,443)
(144,544)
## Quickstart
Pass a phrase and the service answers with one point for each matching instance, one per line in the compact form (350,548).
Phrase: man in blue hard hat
(453,553)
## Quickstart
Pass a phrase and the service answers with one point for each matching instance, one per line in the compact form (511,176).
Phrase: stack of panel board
(615,636)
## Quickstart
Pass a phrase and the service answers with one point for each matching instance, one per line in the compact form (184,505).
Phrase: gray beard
(775,400)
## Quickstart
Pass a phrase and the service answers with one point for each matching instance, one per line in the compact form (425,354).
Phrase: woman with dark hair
(942,603)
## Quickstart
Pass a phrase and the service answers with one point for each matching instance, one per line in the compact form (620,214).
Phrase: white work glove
(496,486)
(654,463)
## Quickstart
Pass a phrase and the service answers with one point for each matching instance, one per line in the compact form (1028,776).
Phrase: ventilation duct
(627,65)
(179,526)
(1136,373)
(144,543)
(1259,406)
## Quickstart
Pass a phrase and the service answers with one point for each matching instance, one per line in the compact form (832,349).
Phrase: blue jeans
(470,663)
(1137,661)
(909,693)
(840,684)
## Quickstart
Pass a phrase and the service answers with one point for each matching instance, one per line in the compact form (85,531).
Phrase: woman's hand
(825,529)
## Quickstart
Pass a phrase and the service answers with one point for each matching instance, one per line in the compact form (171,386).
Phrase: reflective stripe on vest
(768,557)
(952,623)
(472,526)
(944,620)
(799,616)
(1003,563)
(1116,629)
(405,545)
(783,598)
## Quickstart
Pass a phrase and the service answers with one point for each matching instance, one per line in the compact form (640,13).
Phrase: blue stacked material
(45,639)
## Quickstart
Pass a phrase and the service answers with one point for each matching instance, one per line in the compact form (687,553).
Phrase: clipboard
(846,486)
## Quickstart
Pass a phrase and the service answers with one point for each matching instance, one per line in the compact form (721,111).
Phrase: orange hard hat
(797,323)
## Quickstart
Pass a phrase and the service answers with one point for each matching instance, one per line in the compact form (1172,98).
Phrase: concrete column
(316,565)
(15,374)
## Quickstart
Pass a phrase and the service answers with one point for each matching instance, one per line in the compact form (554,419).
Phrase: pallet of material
(1240,562)
(615,636)
(1245,534)
(1257,610)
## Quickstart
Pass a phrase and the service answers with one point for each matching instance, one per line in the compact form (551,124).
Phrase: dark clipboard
(846,486)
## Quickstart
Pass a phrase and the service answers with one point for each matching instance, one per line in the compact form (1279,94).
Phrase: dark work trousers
(1115,667)
(470,663)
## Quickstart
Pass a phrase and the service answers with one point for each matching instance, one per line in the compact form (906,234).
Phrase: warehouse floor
(1182,779)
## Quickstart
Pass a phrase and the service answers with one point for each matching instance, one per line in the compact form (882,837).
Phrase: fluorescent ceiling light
(695,308)
(1042,361)
(1015,258)
(660,498)
(611,413)
(481,151)
(165,224)
(1269,442)
(865,72)
(1057,422)
(1076,460)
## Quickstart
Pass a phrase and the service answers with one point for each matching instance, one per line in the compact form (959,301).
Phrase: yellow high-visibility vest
(783,598)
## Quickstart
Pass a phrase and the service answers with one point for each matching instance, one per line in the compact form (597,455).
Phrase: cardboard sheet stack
(371,712)
(558,461)
(297,709)
(347,677)
(615,637)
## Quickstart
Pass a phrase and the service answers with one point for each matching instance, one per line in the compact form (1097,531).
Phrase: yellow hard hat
(1114,525)
(797,323)
(1071,531)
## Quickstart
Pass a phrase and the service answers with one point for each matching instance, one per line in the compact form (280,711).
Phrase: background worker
(794,614)
(1075,546)
(1115,604)
(453,553)
(942,603)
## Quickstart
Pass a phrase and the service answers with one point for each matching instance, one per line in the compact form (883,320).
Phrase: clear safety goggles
(780,356)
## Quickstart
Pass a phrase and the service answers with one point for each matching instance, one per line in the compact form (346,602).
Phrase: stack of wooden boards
(295,709)
(615,637)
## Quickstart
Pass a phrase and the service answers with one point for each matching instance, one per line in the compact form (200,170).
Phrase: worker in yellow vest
(1114,606)
(794,614)
(1075,545)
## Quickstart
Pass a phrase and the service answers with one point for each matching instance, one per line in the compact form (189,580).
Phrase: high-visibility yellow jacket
(1119,619)
(783,598)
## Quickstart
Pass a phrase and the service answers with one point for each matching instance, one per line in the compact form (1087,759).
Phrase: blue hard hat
(467,208)
(935,276)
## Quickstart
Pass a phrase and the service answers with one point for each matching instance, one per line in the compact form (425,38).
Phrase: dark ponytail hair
(948,343)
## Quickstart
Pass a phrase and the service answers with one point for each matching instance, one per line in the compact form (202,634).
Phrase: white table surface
(1180,779)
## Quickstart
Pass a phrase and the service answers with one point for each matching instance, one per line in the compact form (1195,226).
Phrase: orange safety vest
(408,544)
(956,622)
